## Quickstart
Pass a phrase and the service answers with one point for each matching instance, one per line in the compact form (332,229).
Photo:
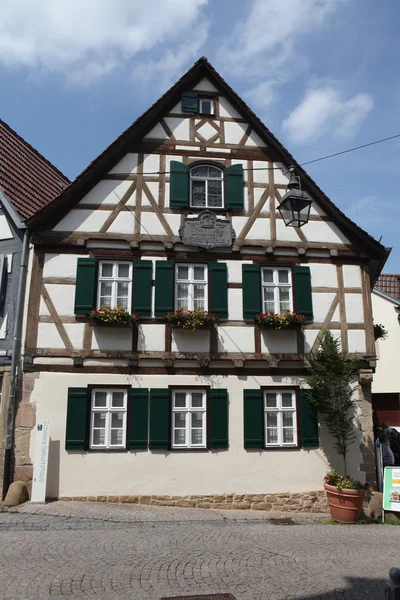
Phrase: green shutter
(189,102)
(234,187)
(253,419)
(309,422)
(164,294)
(142,288)
(160,422)
(218,428)
(138,419)
(85,287)
(77,418)
(179,185)
(251,288)
(303,293)
(219,289)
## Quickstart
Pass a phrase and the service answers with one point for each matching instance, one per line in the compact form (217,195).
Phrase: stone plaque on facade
(207,231)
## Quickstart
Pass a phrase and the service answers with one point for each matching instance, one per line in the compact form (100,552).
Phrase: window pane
(269,299)
(198,297)
(272,419)
(99,436)
(268,276)
(117,399)
(99,419)
(272,436)
(123,269)
(180,419)
(288,436)
(198,193)
(214,172)
(179,399)
(197,419)
(271,400)
(180,436)
(198,273)
(117,419)
(183,273)
(116,437)
(182,300)
(284,299)
(197,399)
(287,419)
(197,436)
(100,399)
(205,107)
(200,171)
(283,276)
(105,293)
(107,269)
(287,400)
(214,193)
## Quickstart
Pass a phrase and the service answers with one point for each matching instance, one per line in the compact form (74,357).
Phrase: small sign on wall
(41,461)
(391,489)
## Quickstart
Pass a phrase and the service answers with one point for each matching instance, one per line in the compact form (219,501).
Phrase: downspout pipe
(15,362)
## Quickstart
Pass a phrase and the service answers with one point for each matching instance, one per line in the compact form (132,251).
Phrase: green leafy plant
(380,332)
(342,482)
(191,319)
(280,321)
(113,316)
(331,375)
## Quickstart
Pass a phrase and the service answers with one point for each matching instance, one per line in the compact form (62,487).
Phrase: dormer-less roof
(57,208)
(29,180)
(389,283)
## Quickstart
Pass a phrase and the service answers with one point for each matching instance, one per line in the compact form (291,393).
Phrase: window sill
(279,448)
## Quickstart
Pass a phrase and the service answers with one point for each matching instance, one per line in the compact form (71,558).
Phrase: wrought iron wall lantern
(295,205)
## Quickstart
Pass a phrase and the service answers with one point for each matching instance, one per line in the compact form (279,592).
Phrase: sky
(323,75)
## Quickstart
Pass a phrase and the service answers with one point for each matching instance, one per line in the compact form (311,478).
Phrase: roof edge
(11,212)
(386,296)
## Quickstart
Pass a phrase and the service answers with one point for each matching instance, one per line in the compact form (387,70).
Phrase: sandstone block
(113,499)
(17,494)
(241,505)
(185,503)
(23,473)
(79,498)
(200,504)
(65,498)
(144,499)
(222,505)
(129,499)
(373,507)
(101,498)
(261,506)
(254,497)
(26,415)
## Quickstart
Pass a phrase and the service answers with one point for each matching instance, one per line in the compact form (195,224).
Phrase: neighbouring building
(386,384)
(27,182)
(181,212)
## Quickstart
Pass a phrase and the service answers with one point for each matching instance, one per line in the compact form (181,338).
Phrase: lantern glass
(295,208)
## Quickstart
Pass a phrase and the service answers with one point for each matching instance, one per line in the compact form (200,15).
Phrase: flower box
(112,317)
(190,319)
(286,320)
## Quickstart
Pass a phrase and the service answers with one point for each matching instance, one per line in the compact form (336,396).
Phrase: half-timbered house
(181,212)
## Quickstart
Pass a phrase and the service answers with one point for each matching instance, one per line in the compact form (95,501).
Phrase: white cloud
(268,40)
(87,39)
(327,110)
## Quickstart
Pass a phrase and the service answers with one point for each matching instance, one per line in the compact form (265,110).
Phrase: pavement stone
(83,550)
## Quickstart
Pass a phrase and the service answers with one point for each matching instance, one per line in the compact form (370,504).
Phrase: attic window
(206,106)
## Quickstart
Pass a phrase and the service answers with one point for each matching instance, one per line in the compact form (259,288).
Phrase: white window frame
(188,410)
(276,286)
(115,280)
(279,410)
(205,99)
(109,410)
(221,179)
(191,283)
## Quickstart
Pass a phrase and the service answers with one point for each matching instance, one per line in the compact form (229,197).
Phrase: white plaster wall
(61,265)
(226,109)
(356,340)
(235,305)
(255,140)
(205,85)
(83,220)
(354,308)
(104,339)
(287,234)
(179,473)
(179,127)
(234,132)
(235,339)
(351,276)
(235,270)
(387,374)
(310,335)
(261,171)
(321,305)
(320,231)
(151,163)
(63,298)
(260,230)
(128,164)
(278,342)
(106,192)
(185,340)
(323,275)
(157,133)
(124,223)
(151,338)
(48,336)
(5,231)
(151,225)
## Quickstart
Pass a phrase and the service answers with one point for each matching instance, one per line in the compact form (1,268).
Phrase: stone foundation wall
(312,502)
(3,423)
(25,420)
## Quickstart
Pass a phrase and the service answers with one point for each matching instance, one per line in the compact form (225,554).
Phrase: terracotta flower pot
(345,505)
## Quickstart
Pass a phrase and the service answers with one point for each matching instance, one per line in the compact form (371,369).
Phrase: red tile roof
(390,284)
(28,179)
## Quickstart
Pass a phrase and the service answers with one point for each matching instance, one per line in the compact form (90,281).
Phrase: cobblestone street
(105,552)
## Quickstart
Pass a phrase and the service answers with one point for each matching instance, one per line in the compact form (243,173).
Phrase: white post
(41,461)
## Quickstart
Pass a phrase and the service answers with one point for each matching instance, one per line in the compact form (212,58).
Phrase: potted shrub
(191,319)
(286,320)
(112,317)
(331,375)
